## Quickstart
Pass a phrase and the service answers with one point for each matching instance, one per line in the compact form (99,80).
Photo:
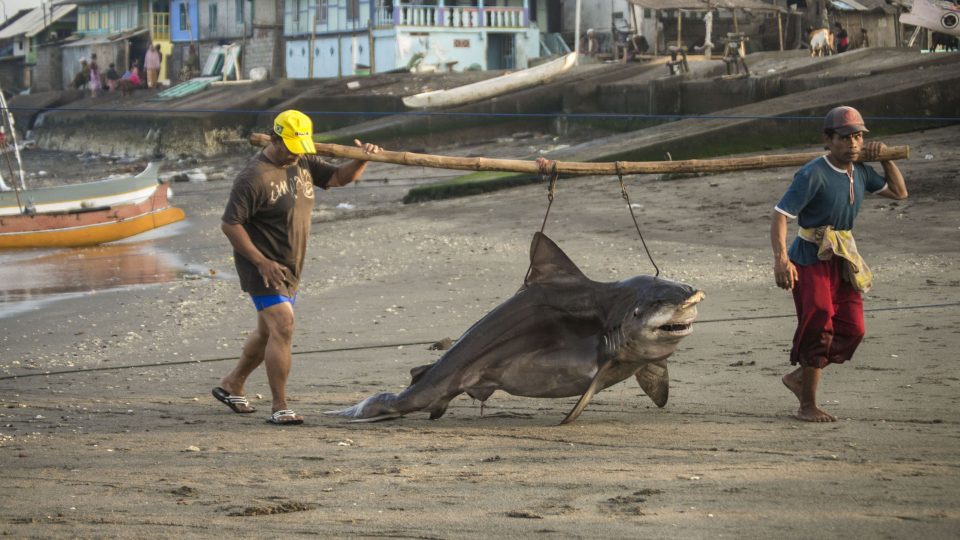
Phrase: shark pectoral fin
(655,381)
(587,394)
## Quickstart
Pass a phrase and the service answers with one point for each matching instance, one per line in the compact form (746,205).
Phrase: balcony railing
(503,17)
(454,16)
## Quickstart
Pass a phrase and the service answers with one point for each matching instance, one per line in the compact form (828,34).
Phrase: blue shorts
(262,302)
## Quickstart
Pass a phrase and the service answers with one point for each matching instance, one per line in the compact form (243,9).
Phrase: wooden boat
(938,15)
(110,192)
(516,80)
(88,226)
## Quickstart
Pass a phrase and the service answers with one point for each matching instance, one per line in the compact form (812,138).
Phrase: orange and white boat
(88,226)
(79,214)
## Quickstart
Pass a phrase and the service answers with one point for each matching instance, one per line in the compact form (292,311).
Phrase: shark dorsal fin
(549,264)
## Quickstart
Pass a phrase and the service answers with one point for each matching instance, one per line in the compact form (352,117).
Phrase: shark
(560,335)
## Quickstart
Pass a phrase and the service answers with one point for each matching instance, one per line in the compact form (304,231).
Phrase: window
(296,11)
(184,24)
(105,19)
(323,11)
(353,10)
(212,23)
(239,10)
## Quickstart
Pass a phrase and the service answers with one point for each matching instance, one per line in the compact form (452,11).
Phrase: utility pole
(313,39)
(576,32)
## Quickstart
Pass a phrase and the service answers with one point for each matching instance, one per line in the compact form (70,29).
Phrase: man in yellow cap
(267,220)
(825,198)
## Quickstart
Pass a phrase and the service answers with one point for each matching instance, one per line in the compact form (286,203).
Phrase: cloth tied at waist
(831,243)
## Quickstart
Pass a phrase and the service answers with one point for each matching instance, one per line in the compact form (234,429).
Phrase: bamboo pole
(679,28)
(576,168)
(780,30)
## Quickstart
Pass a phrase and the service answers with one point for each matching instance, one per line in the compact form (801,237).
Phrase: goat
(821,42)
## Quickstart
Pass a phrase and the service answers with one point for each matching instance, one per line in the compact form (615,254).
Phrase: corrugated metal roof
(103,38)
(34,22)
(862,5)
(186,88)
(703,5)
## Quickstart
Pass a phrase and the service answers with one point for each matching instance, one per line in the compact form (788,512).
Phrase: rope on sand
(411,344)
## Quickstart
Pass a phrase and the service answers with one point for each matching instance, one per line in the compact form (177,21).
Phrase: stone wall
(263,49)
(11,74)
(48,73)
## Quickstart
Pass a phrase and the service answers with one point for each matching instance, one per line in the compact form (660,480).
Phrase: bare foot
(803,383)
(814,414)
(794,382)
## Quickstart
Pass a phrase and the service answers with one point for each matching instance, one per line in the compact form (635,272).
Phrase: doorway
(501,53)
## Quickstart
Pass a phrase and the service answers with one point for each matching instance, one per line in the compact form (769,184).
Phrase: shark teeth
(675,327)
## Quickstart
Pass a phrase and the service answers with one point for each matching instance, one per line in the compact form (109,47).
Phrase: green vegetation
(470,184)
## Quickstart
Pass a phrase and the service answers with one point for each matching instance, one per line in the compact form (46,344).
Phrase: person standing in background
(151,63)
(841,39)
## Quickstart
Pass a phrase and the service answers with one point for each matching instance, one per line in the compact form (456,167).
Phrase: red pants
(829,316)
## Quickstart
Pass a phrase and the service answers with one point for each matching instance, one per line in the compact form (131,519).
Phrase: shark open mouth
(676,327)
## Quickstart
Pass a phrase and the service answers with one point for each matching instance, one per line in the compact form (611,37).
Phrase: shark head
(654,317)
(645,317)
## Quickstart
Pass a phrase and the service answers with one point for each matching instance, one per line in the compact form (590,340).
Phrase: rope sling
(551,177)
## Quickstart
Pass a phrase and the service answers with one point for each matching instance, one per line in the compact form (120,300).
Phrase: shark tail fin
(373,409)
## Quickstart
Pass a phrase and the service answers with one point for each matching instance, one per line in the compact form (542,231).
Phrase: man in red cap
(267,220)
(822,267)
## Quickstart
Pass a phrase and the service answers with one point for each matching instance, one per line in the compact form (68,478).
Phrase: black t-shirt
(274,205)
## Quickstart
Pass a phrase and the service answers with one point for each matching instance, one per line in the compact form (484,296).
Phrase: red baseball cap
(844,121)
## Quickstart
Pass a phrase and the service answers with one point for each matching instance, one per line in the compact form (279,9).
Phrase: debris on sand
(283,508)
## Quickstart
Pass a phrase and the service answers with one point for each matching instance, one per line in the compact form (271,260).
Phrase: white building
(330,38)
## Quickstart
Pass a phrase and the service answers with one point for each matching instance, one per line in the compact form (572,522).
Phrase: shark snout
(693,300)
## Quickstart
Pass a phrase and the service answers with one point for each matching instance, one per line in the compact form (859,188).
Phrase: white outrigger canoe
(491,87)
(87,195)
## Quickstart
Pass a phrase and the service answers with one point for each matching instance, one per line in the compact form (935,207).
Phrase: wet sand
(112,444)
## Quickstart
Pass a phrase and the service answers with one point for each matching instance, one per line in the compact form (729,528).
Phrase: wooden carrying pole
(576,168)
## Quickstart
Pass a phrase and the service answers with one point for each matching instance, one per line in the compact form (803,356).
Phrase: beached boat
(88,226)
(110,192)
(516,80)
(75,215)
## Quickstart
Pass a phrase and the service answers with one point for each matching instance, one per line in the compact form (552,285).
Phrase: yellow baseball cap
(296,130)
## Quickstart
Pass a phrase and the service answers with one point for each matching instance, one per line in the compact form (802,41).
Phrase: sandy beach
(108,428)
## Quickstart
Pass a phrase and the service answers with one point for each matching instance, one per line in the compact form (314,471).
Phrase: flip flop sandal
(237,404)
(275,418)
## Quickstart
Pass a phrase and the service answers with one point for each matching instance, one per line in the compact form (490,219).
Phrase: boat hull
(491,87)
(114,191)
(88,227)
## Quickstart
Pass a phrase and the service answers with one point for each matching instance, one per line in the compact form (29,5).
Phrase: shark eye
(636,312)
